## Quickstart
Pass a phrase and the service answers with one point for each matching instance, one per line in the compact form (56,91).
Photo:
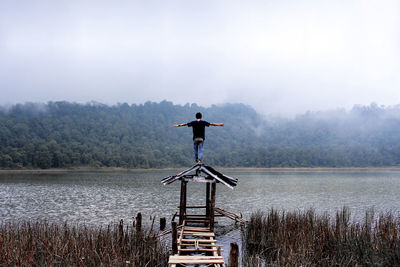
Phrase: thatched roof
(201,173)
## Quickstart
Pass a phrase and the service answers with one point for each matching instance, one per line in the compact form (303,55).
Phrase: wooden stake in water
(174,239)
(139,223)
(234,255)
(163,223)
(121,231)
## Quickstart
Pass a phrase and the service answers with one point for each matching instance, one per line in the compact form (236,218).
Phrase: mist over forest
(64,134)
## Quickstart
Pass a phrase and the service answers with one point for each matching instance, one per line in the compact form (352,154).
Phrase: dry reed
(306,239)
(50,244)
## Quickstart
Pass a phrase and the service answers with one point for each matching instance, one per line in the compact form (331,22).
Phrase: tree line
(64,134)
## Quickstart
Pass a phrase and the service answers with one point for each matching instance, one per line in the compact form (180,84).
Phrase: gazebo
(203,174)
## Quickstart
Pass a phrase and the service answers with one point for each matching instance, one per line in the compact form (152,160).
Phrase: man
(198,127)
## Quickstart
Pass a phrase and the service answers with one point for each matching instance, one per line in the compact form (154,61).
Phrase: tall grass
(48,244)
(304,239)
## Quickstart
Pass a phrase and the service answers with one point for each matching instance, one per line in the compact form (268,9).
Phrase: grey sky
(281,57)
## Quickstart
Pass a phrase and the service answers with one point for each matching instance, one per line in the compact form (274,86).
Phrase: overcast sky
(281,57)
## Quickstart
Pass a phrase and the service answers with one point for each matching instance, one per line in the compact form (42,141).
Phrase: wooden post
(182,206)
(174,239)
(185,198)
(234,255)
(163,222)
(121,231)
(208,187)
(139,223)
(212,205)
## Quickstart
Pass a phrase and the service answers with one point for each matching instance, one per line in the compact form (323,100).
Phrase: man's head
(198,115)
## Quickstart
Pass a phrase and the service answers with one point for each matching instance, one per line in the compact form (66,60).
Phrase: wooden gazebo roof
(201,173)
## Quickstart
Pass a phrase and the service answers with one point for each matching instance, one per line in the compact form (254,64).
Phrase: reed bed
(50,244)
(305,239)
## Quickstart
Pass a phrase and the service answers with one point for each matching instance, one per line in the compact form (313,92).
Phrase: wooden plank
(203,217)
(201,245)
(215,175)
(198,234)
(196,260)
(199,229)
(195,216)
(199,240)
(200,249)
(199,221)
(187,257)
(228,181)
(195,219)
(210,245)
(171,179)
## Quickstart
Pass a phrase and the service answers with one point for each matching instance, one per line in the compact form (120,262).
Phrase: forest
(68,135)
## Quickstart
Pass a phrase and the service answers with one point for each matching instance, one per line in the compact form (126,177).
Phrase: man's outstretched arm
(217,124)
(179,125)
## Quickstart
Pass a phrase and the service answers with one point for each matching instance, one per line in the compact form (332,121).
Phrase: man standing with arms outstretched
(198,126)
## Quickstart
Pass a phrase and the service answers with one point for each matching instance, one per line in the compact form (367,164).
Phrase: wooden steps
(196,240)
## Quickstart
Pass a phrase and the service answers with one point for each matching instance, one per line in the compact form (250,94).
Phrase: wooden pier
(193,240)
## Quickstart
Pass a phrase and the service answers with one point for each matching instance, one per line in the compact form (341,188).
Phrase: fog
(280,57)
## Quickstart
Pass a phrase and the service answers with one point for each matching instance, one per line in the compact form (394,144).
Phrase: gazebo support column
(208,188)
(212,205)
(182,206)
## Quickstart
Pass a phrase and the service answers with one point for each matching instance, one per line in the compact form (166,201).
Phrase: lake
(103,197)
(98,198)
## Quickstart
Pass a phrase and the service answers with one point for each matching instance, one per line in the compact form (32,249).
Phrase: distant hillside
(63,134)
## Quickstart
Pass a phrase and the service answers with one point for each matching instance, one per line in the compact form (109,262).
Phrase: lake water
(98,198)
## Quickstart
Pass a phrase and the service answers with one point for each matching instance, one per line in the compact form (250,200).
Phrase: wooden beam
(230,215)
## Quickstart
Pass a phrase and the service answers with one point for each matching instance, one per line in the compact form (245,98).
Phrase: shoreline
(116,169)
